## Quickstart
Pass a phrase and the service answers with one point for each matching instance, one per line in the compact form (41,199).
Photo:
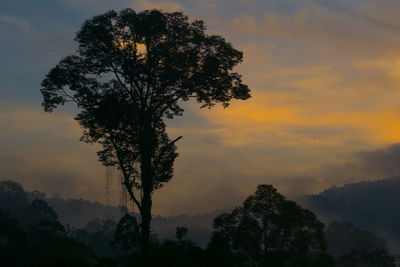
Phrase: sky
(325,106)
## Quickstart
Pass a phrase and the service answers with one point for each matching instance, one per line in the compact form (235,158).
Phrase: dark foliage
(293,238)
(366,258)
(13,198)
(127,234)
(181,232)
(270,230)
(40,240)
(98,234)
(354,247)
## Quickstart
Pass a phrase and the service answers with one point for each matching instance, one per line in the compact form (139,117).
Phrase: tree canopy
(268,229)
(147,61)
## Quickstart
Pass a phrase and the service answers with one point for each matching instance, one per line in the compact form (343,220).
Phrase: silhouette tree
(219,252)
(12,238)
(268,229)
(126,236)
(38,211)
(181,232)
(13,198)
(176,253)
(38,239)
(99,235)
(39,217)
(130,72)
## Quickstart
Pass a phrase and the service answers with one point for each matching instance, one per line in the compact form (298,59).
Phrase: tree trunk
(147,151)
(145,234)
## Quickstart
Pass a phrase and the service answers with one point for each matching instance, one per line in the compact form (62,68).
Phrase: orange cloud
(247,122)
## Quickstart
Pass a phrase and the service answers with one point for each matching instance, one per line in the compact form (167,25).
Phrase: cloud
(384,162)
(42,151)
(364,165)
(313,27)
(104,5)
(14,21)
(273,115)
(370,15)
(79,3)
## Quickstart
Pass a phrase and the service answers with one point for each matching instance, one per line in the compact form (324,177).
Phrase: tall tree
(130,72)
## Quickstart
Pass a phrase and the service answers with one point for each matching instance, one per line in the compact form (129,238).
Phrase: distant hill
(372,205)
(78,212)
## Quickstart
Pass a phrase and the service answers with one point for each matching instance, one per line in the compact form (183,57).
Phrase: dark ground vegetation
(266,230)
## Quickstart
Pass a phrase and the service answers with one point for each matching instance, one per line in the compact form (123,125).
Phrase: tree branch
(126,177)
(122,83)
(157,161)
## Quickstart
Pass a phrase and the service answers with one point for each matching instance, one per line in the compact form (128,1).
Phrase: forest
(32,235)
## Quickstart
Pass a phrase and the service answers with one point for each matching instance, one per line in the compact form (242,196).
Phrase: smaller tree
(13,198)
(268,229)
(40,218)
(181,232)
(127,234)
(37,238)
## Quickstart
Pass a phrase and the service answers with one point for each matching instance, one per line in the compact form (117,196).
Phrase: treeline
(79,212)
(266,230)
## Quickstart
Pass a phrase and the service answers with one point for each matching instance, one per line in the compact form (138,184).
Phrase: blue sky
(325,81)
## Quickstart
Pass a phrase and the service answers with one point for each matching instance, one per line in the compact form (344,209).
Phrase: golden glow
(325,109)
(141,49)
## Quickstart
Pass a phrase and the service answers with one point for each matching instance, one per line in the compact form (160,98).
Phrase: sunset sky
(325,106)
